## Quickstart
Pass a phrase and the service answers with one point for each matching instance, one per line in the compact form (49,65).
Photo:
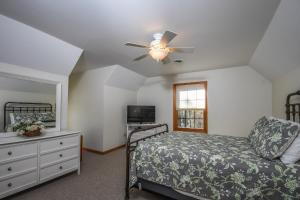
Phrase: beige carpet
(102,178)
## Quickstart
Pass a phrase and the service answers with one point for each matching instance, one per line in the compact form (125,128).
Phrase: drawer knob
(60,155)
(61,143)
(60,167)
(9,169)
(9,184)
(9,153)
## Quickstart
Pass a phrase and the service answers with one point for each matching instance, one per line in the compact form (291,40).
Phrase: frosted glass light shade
(158,54)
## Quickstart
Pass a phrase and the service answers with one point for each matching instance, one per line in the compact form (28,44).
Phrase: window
(190,107)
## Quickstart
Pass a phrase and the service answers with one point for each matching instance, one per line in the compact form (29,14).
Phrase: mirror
(23,100)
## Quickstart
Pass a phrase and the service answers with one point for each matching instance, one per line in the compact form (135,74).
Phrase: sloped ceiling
(25,46)
(279,51)
(121,77)
(225,33)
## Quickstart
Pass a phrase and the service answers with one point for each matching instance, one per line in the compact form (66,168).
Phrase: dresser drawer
(58,156)
(18,183)
(17,151)
(58,169)
(14,168)
(58,143)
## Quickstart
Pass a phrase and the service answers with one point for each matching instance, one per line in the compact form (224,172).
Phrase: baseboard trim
(103,152)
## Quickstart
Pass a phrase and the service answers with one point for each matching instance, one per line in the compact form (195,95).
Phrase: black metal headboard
(24,107)
(293,109)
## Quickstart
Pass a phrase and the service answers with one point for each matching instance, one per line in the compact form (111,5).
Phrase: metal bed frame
(25,107)
(131,145)
(141,183)
(292,109)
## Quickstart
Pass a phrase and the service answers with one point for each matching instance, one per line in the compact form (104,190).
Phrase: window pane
(188,123)
(192,104)
(183,95)
(200,104)
(190,114)
(181,123)
(181,114)
(199,114)
(192,124)
(200,94)
(182,104)
(192,94)
(199,123)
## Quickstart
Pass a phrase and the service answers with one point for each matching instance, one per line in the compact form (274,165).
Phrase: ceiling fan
(159,49)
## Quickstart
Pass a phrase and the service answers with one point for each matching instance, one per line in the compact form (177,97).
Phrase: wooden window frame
(175,115)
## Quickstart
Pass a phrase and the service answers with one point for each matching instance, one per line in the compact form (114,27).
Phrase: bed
(188,166)
(15,112)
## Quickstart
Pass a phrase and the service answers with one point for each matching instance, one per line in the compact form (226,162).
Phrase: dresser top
(19,139)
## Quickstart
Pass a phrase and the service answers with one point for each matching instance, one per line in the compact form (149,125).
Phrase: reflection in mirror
(26,101)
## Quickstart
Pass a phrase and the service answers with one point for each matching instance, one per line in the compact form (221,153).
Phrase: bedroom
(214,69)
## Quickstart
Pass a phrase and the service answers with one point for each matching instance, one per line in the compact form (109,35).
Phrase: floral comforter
(213,167)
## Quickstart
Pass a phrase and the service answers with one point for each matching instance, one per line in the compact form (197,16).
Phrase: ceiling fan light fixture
(159,48)
(159,54)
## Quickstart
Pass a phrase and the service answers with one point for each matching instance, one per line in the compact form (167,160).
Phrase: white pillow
(292,154)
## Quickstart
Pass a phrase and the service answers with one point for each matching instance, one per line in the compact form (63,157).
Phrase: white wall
(16,96)
(277,55)
(279,50)
(283,86)
(86,105)
(115,101)
(45,77)
(97,104)
(21,85)
(237,97)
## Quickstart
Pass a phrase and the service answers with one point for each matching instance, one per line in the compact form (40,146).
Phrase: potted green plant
(28,128)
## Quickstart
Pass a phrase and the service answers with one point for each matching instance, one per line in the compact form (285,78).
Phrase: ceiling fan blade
(182,49)
(136,45)
(166,60)
(167,37)
(140,57)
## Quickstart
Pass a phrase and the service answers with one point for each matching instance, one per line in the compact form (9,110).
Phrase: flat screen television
(140,114)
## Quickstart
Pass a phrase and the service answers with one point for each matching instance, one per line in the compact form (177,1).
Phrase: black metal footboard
(132,143)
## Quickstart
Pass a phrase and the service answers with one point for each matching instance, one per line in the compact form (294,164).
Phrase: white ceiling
(279,51)
(224,32)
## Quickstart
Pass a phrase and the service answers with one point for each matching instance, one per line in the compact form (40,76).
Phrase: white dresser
(26,162)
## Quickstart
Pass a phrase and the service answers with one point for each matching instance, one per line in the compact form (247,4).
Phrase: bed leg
(127,196)
(127,170)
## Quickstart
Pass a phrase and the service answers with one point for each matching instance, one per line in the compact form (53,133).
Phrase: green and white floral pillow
(23,117)
(258,127)
(275,138)
(46,116)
